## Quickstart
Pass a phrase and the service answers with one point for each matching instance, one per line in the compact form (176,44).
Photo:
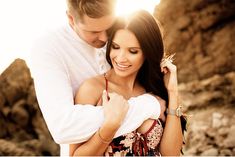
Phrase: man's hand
(115,109)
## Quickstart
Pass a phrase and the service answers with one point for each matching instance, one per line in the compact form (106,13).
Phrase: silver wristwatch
(177,112)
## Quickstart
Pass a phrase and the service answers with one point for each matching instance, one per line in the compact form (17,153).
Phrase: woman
(134,51)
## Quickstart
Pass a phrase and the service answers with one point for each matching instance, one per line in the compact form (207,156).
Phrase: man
(63,59)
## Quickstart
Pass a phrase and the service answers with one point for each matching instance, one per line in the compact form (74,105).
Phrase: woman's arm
(96,145)
(172,139)
(89,93)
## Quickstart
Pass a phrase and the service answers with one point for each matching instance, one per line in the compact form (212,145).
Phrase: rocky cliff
(22,128)
(202,34)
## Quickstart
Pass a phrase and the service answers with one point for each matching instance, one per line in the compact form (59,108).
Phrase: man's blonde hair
(91,8)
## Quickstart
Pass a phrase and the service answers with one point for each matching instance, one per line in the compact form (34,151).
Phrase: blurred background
(200,32)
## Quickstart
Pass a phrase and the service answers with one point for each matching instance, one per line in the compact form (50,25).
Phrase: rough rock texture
(22,128)
(211,126)
(202,34)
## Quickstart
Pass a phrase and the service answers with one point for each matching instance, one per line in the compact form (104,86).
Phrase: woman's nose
(121,56)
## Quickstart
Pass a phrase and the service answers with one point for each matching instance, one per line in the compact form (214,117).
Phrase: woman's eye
(133,51)
(93,33)
(115,46)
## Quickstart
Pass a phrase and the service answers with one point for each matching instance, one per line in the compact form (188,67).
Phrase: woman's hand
(170,80)
(115,109)
(170,74)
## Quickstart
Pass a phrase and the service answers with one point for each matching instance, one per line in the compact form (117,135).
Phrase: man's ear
(70,18)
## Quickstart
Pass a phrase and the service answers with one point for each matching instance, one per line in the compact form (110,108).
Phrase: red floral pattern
(137,144)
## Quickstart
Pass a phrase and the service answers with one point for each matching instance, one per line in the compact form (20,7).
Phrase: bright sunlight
(24,20)
(125,7)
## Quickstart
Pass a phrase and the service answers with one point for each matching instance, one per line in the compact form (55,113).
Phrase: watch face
(178,111)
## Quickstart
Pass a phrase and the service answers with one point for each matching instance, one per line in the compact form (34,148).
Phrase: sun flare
(26,21)
(125,7)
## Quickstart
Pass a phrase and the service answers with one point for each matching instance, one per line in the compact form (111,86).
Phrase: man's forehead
(96,24)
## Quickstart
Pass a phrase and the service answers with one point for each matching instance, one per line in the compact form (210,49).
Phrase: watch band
(177,112)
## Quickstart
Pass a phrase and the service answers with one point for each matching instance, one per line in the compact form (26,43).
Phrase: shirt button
(102,67)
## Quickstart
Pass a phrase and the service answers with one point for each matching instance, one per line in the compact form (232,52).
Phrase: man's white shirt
(60,61)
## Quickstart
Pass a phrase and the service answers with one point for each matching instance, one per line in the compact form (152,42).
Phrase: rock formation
(211,126)
(202,34)
(23,130)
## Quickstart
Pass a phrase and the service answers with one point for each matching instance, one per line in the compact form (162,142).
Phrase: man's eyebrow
(93,31)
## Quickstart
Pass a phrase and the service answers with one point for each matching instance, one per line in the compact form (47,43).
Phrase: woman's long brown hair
(147,32)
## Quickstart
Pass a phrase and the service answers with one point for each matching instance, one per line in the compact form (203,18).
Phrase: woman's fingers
(167,66)
(170,74)
(115,109)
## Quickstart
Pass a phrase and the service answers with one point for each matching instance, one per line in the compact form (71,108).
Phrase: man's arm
(69,123)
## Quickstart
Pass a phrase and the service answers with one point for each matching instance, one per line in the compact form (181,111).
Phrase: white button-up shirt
(60,62)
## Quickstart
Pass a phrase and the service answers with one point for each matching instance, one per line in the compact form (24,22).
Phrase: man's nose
(103,36)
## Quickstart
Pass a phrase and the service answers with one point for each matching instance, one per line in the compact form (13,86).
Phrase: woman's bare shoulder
(90,90)
(94,82)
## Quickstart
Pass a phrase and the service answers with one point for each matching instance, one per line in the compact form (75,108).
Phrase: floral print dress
(136,144)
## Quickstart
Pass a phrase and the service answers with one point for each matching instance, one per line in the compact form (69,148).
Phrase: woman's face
(125,54)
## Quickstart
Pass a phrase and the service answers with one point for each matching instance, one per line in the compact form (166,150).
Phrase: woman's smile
(121,66)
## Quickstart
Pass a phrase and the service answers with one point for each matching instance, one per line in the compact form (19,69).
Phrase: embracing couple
(103,86)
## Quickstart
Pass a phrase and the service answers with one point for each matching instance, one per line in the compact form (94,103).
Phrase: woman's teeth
(122,66)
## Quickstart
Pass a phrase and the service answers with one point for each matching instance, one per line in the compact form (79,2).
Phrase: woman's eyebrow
(135,47)
(114,42)
(128,47)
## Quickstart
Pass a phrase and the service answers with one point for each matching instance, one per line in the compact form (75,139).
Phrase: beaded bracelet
(102,139)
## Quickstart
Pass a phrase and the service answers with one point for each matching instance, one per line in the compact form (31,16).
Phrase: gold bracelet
(102,139)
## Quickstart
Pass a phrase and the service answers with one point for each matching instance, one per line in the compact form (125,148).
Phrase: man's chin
(99,45)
